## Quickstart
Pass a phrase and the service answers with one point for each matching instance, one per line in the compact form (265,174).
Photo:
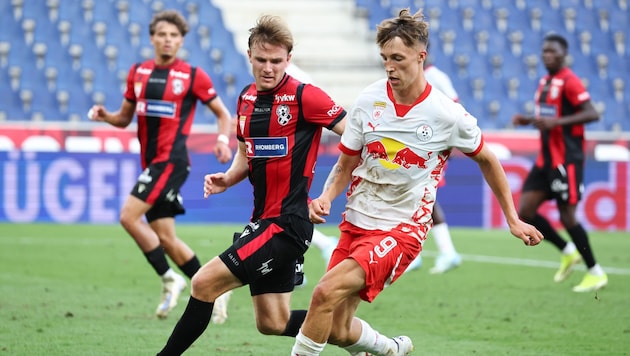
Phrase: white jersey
(403,154)
(441,81)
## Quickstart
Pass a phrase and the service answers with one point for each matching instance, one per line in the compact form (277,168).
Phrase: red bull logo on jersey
(392,154)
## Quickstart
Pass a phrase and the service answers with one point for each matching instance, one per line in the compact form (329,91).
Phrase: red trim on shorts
(254,245)
(161,183)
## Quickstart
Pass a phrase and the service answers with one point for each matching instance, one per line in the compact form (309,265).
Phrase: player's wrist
(224,139)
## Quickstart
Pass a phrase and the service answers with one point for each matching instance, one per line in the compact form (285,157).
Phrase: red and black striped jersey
(165,99)
(281,129)
(560,95)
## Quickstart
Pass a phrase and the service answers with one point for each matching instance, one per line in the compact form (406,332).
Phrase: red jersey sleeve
(130,93)
(319,108)
(203,87)
(574,90)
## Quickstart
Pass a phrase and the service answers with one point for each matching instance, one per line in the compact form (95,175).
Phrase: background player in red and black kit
(163,93)
(563,106)
(279,127)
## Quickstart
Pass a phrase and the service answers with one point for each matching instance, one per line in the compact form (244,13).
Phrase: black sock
(550,234)
(158,261)
(295,322)
(192,324)
(580,239)
(191,267)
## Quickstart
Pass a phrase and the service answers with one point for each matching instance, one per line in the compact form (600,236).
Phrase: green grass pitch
(87,290)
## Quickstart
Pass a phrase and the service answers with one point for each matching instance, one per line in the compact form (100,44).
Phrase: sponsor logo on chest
(267,146)
(156,108)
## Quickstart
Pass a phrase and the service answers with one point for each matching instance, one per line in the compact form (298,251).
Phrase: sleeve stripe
(348,151)
(476,152)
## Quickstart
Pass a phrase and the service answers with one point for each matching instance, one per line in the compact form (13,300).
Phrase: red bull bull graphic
(407,158)
(393,154)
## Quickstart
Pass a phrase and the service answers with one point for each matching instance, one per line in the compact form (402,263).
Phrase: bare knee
(271,327)
(203,288)
(127,220)
(322,299)
(169,243)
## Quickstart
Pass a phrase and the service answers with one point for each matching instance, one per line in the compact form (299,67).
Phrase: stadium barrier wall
(90,187)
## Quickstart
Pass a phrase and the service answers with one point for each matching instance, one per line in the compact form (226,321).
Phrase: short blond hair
(272,30)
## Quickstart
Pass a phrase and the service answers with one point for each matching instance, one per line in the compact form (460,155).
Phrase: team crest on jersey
(284,114)
(178,86)
(554,91)
(424,132)
(379,108)
(137,89)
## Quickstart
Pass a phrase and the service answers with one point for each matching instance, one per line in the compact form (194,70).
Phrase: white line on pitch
(524,262)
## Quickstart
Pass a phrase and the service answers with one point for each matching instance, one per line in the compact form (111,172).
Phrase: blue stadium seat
(13,108)
(233,72)
(615,115)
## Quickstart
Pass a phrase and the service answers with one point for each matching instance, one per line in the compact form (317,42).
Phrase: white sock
(372,341)
(320,240)
(443,239)
(569,248)
(306,347)
(596,270)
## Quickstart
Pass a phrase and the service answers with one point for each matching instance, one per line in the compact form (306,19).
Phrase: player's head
(269,50)
(554,51)
(169,16)
(403,44)
(167,30)
(411,29)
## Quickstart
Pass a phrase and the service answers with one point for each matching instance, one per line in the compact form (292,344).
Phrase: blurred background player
(447,258)
(563,106)
(163,93)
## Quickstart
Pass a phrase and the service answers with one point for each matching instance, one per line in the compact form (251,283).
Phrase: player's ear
(422,56)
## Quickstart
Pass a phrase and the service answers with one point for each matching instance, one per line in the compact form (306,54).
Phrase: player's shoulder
(374,91)
(567,73)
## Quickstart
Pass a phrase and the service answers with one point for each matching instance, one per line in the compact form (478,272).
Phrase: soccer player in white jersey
(448,258)
(397,138)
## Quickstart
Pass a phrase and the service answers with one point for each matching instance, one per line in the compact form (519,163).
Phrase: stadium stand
(58,57)
(488,43)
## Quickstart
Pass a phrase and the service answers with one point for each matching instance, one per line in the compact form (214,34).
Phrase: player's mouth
(393,80)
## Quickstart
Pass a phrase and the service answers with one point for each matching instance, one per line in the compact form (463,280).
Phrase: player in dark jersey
(279,127)
(163,93)
(563,106)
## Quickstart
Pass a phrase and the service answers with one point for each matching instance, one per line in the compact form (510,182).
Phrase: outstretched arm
(216,183)
(121,118)
(495,176)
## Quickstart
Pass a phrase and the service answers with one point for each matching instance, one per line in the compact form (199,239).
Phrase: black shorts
(159,186)
(265,254)
(565,184)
